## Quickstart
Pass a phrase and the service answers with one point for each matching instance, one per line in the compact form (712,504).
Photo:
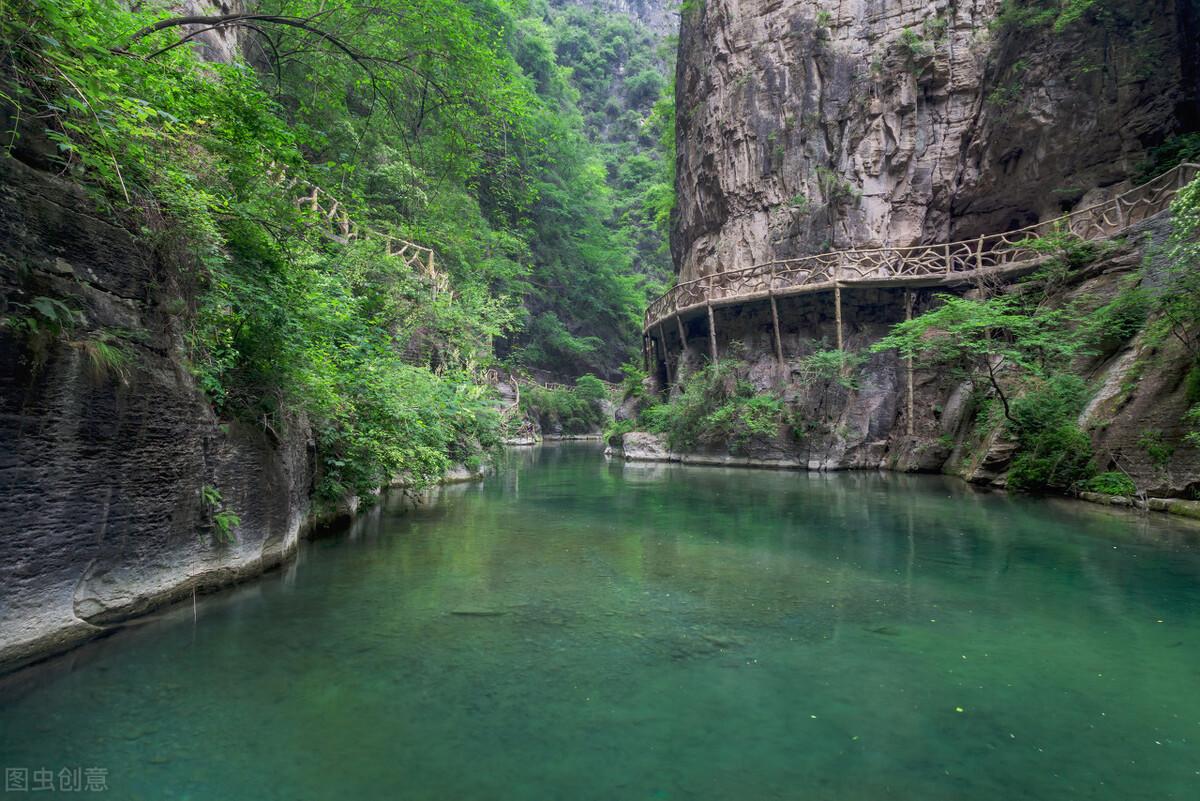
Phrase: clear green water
(662,633)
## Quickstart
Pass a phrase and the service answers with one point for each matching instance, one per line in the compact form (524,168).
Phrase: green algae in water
(576,629)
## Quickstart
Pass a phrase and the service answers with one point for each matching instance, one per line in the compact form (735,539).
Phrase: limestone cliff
(810,125)
(103,464)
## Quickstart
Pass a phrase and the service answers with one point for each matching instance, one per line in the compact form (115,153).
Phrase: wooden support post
(645,355)
(662,340)
(908,310)
(712,333)
(775,325)
(682,346)
(837,313)
(979,253)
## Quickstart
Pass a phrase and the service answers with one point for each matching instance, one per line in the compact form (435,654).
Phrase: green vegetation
(1111,483)
(1053,452)
(1007,93)
(1174,151)
(831,365)
(457,125)
(981,340)
(1056,15)
(571,410)
(1016,350)
(913,46)
(716,408)
(225,521)
(1176,305)
(619,69)
(41,323)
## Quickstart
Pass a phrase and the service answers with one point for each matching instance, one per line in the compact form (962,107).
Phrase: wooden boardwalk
(945,264)
(337,224)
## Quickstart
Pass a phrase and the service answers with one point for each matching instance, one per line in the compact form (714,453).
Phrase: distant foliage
(1175,151)
(624,76)
(1056,15)
(575,410)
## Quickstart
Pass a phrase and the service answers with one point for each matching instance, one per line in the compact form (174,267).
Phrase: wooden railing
(340,226)
(919,263)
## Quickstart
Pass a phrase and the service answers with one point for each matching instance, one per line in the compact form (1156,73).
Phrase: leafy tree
(985,340)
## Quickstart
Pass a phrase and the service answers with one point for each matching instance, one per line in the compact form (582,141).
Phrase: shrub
(1057,459)
(1119,320)
(1053,453)
(578,410)
(1111,483)
(617,429)
(1049,405)
(716,408)
(1157,448)
(830,365)
(633,381)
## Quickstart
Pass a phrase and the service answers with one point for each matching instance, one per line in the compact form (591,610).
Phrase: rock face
(102,467)
(660,16)
(638,446)
(811,125)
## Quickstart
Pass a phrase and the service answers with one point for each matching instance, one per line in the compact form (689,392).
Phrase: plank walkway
(945,264)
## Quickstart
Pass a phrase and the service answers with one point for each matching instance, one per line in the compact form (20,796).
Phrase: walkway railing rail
(340,226)
(909,265)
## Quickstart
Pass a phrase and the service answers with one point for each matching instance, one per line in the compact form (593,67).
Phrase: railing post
(949,261)
(979,253)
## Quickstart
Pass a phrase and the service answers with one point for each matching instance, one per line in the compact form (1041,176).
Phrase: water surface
(576,629)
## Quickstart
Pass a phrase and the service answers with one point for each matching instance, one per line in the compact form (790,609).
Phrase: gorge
(296,297)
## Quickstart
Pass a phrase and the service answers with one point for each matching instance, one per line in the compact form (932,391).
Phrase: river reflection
(579,628)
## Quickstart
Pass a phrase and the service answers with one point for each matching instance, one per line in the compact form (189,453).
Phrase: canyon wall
(811,125)
(104,461)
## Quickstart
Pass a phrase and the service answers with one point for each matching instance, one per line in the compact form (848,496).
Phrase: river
(574,628)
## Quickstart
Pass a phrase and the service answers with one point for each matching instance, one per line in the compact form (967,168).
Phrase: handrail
(961,259)
(342,228)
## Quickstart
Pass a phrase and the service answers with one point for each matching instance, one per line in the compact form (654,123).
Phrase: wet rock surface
(101,472)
